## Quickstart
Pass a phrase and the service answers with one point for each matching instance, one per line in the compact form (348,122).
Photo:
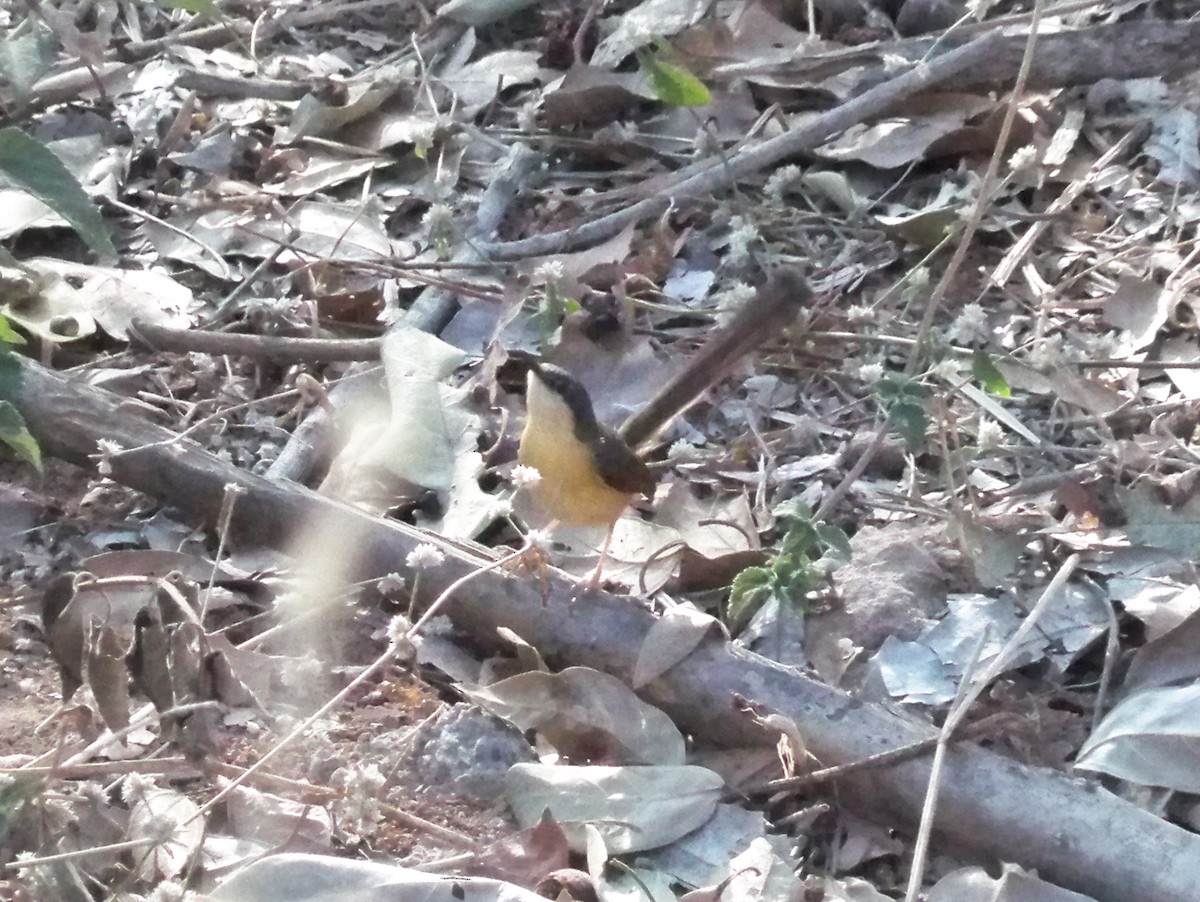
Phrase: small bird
(588,472)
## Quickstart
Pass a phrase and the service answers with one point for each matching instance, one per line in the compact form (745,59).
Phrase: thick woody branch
(1074,834)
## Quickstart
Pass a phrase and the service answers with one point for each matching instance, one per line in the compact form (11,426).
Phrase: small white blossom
(107,450)
(524,477)
(301,674)
(947,370)
(527,118)
(501,508)
(743,235)
(860,313)
(424,556)
(971,325)
(991,435)
(135,787)
(681,450)
(731,300)
(538,540)
(398,628)
(1023,159)
(624,133)
(549,271)
(359,809)
(167,892)
(439,220)
(391,584)
(781,180)
(871,372)
(919,279)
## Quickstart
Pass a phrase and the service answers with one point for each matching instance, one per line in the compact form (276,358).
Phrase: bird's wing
(620,467)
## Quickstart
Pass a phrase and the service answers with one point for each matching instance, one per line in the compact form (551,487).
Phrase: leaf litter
(320,178)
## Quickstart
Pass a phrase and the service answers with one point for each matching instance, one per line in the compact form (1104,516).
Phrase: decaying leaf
(634,808)
(588,716)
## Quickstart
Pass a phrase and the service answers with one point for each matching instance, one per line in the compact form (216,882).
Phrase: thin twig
(969,690)
(263,347)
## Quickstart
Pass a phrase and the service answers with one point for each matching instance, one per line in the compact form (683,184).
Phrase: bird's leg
(594,580)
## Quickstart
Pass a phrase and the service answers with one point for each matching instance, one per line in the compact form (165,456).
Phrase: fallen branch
(282,348)
(1082,56)
(704,178)
(1073,833)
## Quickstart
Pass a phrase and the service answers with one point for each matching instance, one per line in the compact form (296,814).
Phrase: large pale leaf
(1151,737)
(586,715)
(672,638)
(318,878)
(634,808)
(429,427)
(171,820)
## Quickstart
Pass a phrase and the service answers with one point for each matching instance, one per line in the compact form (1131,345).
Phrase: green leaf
(904,401)
(8,334)
(911,423)
(987,374)
(14,434)
(28,164)
(792,509)
(673,84)
(834,539)
(795,590)
(750,590)
(200,7)
(10,374)
(800,539)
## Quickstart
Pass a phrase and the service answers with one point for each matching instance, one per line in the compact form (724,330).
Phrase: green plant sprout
(790,574)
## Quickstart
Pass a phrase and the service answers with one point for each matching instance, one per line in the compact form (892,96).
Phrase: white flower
(971,325)
(947,370)
(439,219)
(871,372)
(359,808)
(734,296)
(782,179)
(1048,353)
(549,271)
(524,477)
(681,450)
(743,234)
(424,556)
(398,628)
(860,313)
(107,449)
(538,540)
(991,435)
(391,584)
(1023,159)
(501,508)
(167,892)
